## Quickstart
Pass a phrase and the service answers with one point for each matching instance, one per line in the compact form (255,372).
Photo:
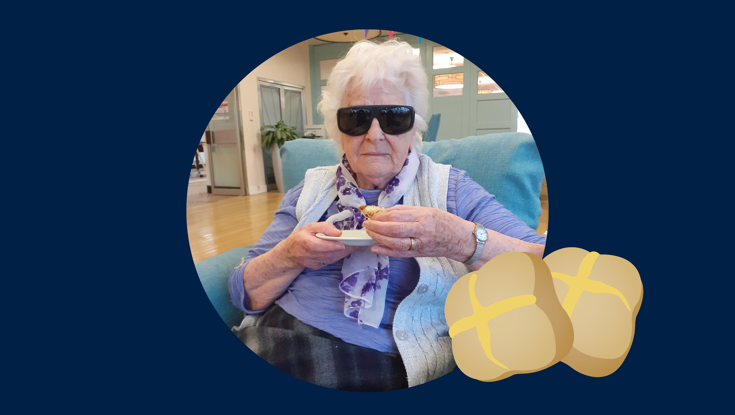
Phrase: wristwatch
(481,237)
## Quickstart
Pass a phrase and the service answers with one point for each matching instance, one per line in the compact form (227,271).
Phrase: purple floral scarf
(364,278)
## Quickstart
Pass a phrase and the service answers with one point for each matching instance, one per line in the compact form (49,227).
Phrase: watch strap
(478,249)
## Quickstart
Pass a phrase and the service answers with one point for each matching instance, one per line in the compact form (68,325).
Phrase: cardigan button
(401,335)
(423,288)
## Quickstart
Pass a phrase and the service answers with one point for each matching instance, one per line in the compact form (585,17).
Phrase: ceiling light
(349,36)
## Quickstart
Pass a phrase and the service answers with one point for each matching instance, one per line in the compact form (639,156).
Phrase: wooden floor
(219,223)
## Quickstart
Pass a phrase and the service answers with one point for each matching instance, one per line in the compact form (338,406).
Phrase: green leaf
(267,139)
(278,134)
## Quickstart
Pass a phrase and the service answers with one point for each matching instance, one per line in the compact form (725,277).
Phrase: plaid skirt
(318,357)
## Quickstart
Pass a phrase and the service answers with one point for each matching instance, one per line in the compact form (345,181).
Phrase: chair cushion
(302,154)
(214,274)
(507,165)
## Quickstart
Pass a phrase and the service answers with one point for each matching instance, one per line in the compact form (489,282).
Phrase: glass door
(448,79)
(224,144)
(270,114)
(280,101)
(293,109)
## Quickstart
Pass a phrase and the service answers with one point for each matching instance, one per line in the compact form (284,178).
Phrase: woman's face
(376,157)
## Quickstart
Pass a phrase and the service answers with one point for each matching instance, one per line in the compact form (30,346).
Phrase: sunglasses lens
(354,121)
(395,121)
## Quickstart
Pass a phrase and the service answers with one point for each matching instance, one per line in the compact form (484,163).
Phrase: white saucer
(351,237)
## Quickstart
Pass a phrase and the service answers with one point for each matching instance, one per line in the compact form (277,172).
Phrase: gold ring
(413,244)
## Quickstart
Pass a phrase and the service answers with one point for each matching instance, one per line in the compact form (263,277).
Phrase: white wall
(290,66)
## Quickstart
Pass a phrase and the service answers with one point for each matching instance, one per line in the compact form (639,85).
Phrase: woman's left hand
(436,233)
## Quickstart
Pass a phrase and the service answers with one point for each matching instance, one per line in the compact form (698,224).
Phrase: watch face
(481,234)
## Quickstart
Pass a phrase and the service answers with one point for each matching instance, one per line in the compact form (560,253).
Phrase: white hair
(369,64)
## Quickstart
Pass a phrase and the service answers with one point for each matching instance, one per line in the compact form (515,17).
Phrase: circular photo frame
(461,183)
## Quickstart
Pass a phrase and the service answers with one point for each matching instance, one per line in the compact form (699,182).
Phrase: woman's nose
(375,133)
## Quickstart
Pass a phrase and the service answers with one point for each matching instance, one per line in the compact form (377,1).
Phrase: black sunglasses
(393,119)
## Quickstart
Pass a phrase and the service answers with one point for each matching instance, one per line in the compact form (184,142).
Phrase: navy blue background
(103,308)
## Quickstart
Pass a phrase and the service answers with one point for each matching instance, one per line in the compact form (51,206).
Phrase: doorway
(224,149)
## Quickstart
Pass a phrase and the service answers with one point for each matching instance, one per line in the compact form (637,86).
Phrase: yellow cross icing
(481,315)
(581,282)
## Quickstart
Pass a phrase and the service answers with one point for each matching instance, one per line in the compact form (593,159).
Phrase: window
(446,58)
(486,85)
(448,84)
(522,126)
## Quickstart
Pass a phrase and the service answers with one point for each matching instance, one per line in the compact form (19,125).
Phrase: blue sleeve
(470,201)
(284,222)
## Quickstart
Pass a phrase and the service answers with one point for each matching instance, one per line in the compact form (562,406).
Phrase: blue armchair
(507,165)
(433,130)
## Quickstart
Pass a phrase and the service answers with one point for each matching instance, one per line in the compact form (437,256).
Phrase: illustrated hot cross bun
(602,295)
(505,319)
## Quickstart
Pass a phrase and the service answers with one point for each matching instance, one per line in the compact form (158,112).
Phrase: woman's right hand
(303,249)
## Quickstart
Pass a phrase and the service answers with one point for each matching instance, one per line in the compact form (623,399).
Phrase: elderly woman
(370,318)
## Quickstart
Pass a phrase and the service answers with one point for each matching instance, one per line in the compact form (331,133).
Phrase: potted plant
(273,137)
